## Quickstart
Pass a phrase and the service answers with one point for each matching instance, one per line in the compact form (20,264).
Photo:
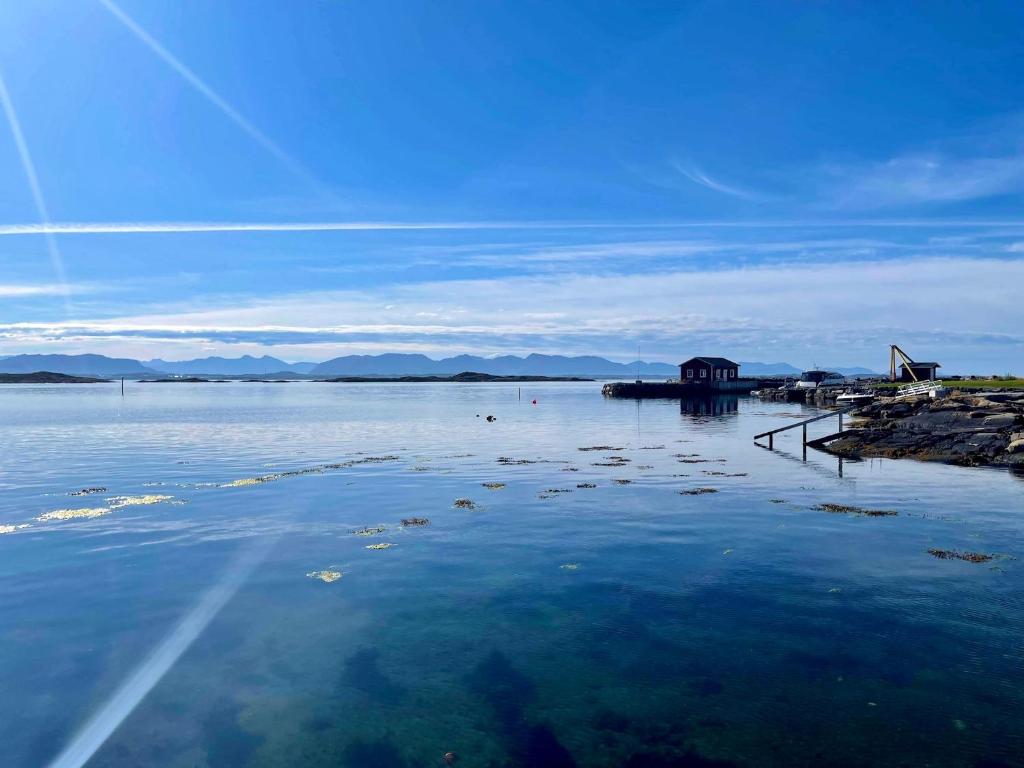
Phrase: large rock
(1015,446)
(1001,420)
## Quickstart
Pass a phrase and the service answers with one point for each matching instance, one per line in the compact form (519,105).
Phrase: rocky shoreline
(969,429)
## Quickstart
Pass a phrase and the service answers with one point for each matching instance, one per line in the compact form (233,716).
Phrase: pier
(638,390)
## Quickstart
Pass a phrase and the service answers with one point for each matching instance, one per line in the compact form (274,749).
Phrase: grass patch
(967,384)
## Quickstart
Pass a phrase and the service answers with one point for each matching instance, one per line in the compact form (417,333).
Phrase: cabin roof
(917,364)
(717,362)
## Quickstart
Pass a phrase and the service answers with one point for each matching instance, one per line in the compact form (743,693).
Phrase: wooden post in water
(122,386)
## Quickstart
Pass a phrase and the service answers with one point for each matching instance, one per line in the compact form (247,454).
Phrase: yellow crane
(907,362)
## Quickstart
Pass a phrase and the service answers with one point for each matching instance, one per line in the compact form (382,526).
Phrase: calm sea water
(625,624)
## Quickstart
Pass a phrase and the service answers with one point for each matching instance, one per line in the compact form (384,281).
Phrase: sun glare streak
(99,728)
(211,95)
(37,193)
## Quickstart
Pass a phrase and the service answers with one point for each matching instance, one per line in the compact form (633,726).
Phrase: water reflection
(713,405)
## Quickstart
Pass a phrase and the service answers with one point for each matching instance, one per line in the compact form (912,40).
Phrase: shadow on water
(508,692)
(227,743)
(373,754)
(362,672)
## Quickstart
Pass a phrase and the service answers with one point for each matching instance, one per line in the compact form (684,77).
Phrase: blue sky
(804,182)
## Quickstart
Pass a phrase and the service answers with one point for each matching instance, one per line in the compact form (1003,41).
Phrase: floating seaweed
(622,482)
(88,491)
(698,491)
(493,486)
(570,469)
(557,490)
(74,514)
(116,502)
(776,501)
(693,461)
(375,531)
(246,481)
(327,577)
(717,473)
(408,522)
(652,447)
(508,460)
(570,567)
(955,554)
(586,485)
(845,509)
(600,448)
(380,545)
(464,504)
(644,466)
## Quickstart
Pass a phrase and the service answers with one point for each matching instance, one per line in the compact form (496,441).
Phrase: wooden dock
(677,390)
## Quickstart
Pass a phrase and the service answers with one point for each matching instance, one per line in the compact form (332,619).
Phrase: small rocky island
(46,377)
(963,428)
(464,377)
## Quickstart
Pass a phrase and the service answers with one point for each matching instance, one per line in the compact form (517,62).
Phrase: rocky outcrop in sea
(967,429)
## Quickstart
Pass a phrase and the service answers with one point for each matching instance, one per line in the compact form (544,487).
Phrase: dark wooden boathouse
(921,371)
(708,371)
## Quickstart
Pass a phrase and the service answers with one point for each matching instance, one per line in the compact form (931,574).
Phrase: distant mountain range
(73,365)
(373,365)
(240,366)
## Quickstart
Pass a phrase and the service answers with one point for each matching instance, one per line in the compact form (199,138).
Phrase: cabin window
(703,373)
(689,373)
(732,374)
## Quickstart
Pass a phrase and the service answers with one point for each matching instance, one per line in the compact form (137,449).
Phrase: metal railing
(918,388)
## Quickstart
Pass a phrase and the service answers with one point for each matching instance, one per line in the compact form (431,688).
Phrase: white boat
(815,379)
(854,398)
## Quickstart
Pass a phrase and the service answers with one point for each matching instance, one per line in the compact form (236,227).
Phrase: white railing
(918,388)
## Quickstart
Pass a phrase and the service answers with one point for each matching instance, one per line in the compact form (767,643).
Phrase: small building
(921,371)
(708,371)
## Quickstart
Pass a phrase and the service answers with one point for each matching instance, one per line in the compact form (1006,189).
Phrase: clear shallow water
(720,627)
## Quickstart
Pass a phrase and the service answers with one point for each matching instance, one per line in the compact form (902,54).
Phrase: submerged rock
(570,567)
(375,531)
(326,577)
(74,514)
(586,485)
(464,504)
(954,554)
(12,528)
(493,486)
(380,545)
(408,522)
(88,491)
(698,491)
(845,509)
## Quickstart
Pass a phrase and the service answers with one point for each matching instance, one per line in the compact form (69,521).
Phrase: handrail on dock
(770,434)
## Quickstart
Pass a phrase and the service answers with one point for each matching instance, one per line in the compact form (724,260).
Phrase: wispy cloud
(207,92)
(37,193)
(925,178)
(699,177)
(184,227)
(779,307)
